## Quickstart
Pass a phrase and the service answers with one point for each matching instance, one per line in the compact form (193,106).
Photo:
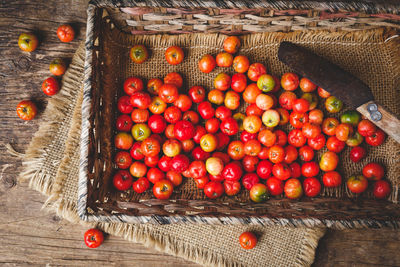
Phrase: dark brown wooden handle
(387,122)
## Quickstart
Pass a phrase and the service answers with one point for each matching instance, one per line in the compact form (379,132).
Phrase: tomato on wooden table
(26,110)
(93,238)
(65,33)
(57,67)
(50,86)
(28,42)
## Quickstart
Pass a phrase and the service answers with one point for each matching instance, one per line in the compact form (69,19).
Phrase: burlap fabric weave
(51,162)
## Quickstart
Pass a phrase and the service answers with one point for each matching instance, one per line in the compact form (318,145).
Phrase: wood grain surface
(31,236)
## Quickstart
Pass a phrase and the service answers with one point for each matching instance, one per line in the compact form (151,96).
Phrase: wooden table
(30,235)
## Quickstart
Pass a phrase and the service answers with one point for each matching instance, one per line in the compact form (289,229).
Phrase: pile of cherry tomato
(166,134)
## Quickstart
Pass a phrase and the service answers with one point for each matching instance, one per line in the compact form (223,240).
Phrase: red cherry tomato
(332,179)
(318,142)
(247,240)
(373,171)
(281,171)
(381,189)
(50,86)
(213,190)
(335,145)
(357,184)
(295,170)
(174,55)
(124,105)
(163,189)
(133,85)
(206,110)
(122,180)
(275,186)
(357,153)
(141,185)
(207,63)
(264,169)
(250,179)
(93,238)
(312,187)
(65,33)
(306,153)
(232,171)
(289,81)
(376,139)
(310,169)
(232,187)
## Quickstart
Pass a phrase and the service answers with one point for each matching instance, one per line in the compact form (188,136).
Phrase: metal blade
(351,90)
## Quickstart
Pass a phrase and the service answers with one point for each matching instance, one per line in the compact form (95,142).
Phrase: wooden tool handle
(382,118)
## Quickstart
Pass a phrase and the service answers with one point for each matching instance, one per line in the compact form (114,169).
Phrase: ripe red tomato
(241,64)
(286,100)
(316,116)
(239,82)
(150,147)
(252,147)
(236,150)
(357,184)
(283,116)
(263,153)
(174,177)
(163,189)
(247,240)
(293,189)
(276,154)
(138,54)
(335,145)
(50,86)
(264,169)
(157,123)
(153,86)
(136,151)
(174,55)
(172,114)
(232,187)
(250,163)
(310,169)
(183,102)
(255,71)
(26,110)
(197,94)
(57,67)
(223,140)
(191,116)
(297,120)
(93,238)
(329,161)
(373,171)
(140,100)
(381,189)
(332,179)
(206,110)
(141,185)
(250,179)
(139,115)
(212,125)
(376,139)
(164,163)
(199,154)
(223,113)
(366,128)
(216,178)
(154,175)
(229,126)
(250,93)
(290,154)
(252,109)
(65,33)
(224,59)
(222,81)
(170,131)
(207,63)
(246,136)
(318,142)
(200,131)
(259,193)
(151,161)
(122,180)
(184,130)
(232,44)
(275,186)
(281,171)
(197,169)
(307,86)
(124,123)
(344,131)
(357,153)
(28,42)
(295,169)
(301,105)
(180,163)
(306,153)
(123,160)
(289,81)
(213,190)
(168,93)
(281,138)
(322,93)
(123,141)
(329,126)
(174,78)
(223,156)
(296,138)
(232,171)
(187,145)
(208,142)
(311,130)
(312,187)
(124,105)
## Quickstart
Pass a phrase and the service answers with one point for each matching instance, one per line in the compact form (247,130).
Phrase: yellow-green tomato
(140,131)
(333,104)
(259,193)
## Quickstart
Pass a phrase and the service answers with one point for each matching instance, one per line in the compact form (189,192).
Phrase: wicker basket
(96,203)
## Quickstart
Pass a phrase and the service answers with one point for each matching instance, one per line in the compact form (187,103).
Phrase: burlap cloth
(52,159)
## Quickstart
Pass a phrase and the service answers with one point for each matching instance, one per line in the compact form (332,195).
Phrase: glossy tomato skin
(335,145)
(344,131)
(232,100)
(50,86)
(28,42)
(310,169)
(247,240)
(223,113)
(306,153)
(172,148)
(154,175)
(202,181)
(250,179)
(58,67)
(255,71)
(151,161)
(301,105)
(373,171)
(232,171)
(329,161)
(381,189)
(138,54)
(275,186)
(366,128)
(214,166)
(276,154)
(223,156)
(183,102)
(172,114)
(184,130)
(281,171)
(140,115)
(168,93)
(140,100)
(232,187)
(293,189)
(163,189)
(199,154)
(140,131)
(197,169)
(138,169)
(222,81)
(264,169)
(229,126)
(312,187)
(26,110)
(241,64)
(259,193)
(216,97)
(150,147)
(376,139)
(180,163)
(141,185)
(266,83)
(354,140)
(297,120)
(351,116)
(291,154)
(153,86)
(307,86)
(174,177)
(357,184)
(206,110)
(295,170)
(207,63)
(93,238)
(157,123)
(281,138)
(332,179)
(357,153)
(311,130)
(197,94)
(216,178)
(136,151)
(199,132)
(246,136)
(174,55)
(250,93)
(123,141)
(213,190)
(157,105)
(296,138)
(289,81)
(239,82)
(208,142)
(124,105)
(122,180)
(286,100)
(250,163)
(316,116)
(318,142)
(123,160)
(164,163)
(231,44)
(188,145)
(124,123)
(252,109)
(174,78)
(329,126)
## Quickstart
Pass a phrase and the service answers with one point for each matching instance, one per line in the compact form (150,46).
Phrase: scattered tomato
(174,55)
(57,67)
(138,54)
(232,44)
(357,184)
(28,42)
(247,240)
(381,189)
(26,110)
(93,238)
(207,63)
